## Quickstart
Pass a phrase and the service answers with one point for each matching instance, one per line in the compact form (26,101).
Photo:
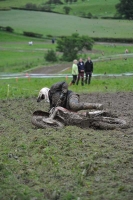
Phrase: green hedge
(121,40)
(31,34)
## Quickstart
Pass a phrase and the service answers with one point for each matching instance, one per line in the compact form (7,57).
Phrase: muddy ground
(71,163)
(120,104)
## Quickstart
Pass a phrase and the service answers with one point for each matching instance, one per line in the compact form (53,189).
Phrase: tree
(71,45)
(53,2)
(125,9)
(31,6)
(9,29)
(66,9)
(89,15)
(50,56)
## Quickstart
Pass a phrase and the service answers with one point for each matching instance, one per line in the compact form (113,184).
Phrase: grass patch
(23,88)
(112,48)
(114,66)
(20,60)
(110,66)
(16,54)
(97,8)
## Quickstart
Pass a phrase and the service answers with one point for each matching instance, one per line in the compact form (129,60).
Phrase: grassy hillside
(17,56)
(58,25)
(100,8)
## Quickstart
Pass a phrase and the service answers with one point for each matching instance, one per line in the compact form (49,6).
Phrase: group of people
(81,69)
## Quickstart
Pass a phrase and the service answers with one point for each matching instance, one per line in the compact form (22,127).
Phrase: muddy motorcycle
(63,117)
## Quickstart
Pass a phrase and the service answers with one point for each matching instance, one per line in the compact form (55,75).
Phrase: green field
(100,8)
(58,25)
(29,87)
(17,56)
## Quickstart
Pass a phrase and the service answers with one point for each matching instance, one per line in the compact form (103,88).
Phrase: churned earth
(69,163)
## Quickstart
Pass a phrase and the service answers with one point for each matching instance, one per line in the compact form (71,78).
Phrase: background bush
(51,55)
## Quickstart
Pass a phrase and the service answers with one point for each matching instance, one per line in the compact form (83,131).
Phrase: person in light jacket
(74,72)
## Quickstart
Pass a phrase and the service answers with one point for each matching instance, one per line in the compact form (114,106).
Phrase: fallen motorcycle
(90,119)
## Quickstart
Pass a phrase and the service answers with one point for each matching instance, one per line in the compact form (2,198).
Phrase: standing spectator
(74,72)
(126,51)
(80,72)
(88,70)
(53,40)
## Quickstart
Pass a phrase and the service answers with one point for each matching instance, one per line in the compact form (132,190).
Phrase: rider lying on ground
(59,95)
(65,103)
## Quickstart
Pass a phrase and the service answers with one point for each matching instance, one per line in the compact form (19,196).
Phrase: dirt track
(55,69)
(120,103)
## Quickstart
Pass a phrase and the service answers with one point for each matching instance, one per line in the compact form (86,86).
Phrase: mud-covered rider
(59,95)
(64,102)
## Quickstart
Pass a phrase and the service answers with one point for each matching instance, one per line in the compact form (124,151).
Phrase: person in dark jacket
(59,95)
(88,70)
(80,72)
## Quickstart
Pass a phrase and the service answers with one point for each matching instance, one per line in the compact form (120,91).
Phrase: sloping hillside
(102,8)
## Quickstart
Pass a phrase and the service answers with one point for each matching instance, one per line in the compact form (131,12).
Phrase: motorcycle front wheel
(41,120)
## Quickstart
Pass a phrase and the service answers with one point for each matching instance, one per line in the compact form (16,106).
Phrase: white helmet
(43,94)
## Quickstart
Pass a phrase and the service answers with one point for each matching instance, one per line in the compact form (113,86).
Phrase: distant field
(100,8)
(17,56)
(58,25)
(97,8)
